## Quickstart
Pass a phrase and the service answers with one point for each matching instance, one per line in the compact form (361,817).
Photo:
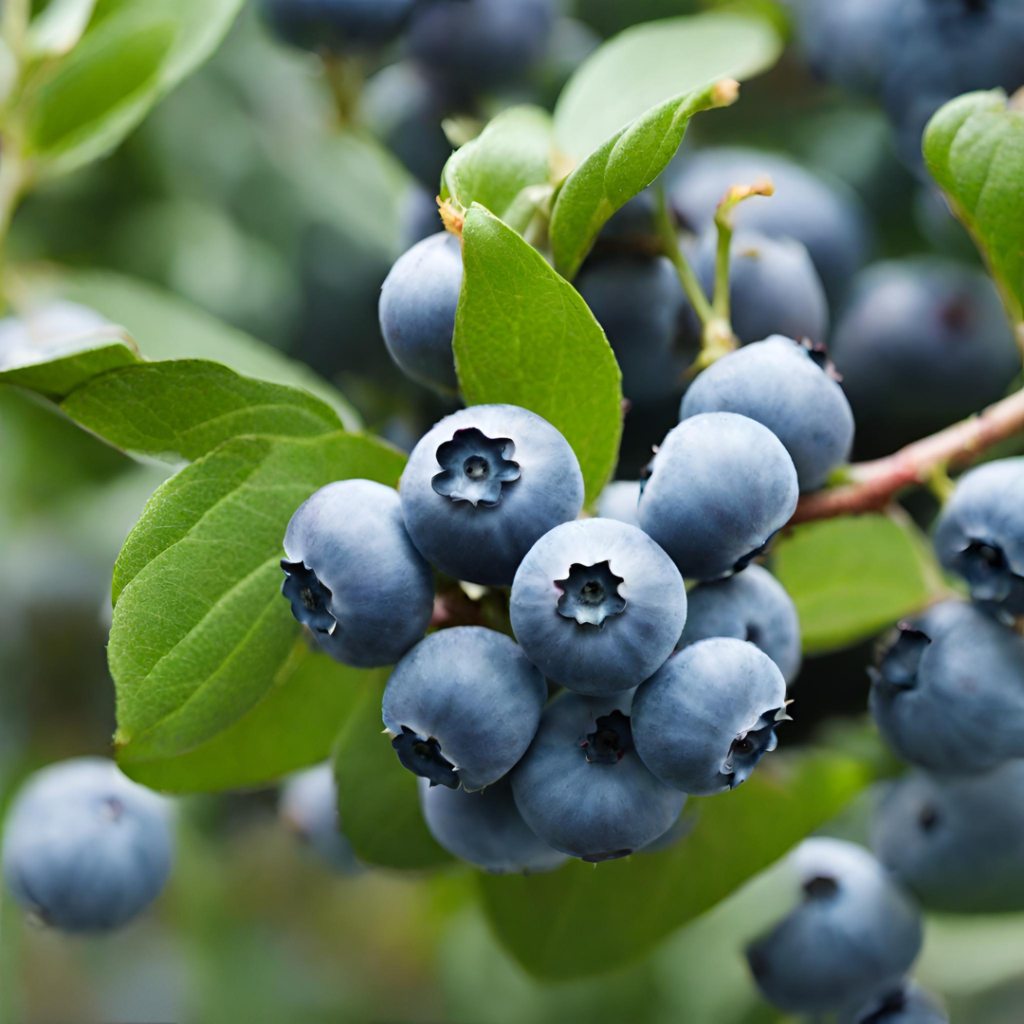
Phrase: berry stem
(345,77)
(873,485)
(724,223)
(687,276)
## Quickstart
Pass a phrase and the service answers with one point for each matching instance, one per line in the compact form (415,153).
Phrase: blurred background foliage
(242,195)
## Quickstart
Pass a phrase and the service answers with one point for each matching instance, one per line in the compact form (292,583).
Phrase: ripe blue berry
(597,606)
(703,721)
(774,287)
(852,936)
(787,387)
(752,605)
(948,694)
(906,1004)
(309,807)
(826,218)
(84,848)
(417,310)
(486,829)
(937,324)
(462,707)
(483,485)
(650,325)
(480,44)
(619,500)
(718,489)
(353,576)
(957,843)
(980,533)
(337,25)
(582,788)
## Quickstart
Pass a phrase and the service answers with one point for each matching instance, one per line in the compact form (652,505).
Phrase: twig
(872,485)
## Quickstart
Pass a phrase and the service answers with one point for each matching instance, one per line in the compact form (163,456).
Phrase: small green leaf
(185,408)
(524,336)
(100,352)
(294,724)
(165,327)
(200,631)
(853,576)
(585,920)
(378,803)
(621,169)
(512,153)
(132,54)
(974,148)
(648,64)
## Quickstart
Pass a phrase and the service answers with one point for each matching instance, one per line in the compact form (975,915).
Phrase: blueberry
(338,26)
(846,41)
(597,606)
(619,500)
(85,849)
(46,332)
(752,605)
(787,387)
(939,49)
(906,1004)
(483,485)
(937,324)
(703,721)
(353,576)
(486,829)
(648,321)
(774,287)
(852,936)
(719,487)
(417,310)
(481,44)
(826,218)
(582,787)
(956,842)
(980,533)
(948,694)
(309,807)
(462,707)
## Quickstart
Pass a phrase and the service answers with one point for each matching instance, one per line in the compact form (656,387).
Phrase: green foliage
(619,170)
(647,65)
(974,148)
(513,153)
(523,335)
(200,632)
(853,576)
(378,804)
(562,925)
(133,53)
(186,408)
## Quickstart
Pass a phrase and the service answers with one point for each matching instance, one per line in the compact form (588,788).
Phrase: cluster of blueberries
(914,55)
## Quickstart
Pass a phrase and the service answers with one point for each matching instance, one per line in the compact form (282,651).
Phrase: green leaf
(648,64)
(58,27)
(853,576)
(524,336)
(619,170)
(378,802)
(74,364)
(512,153)
(165,327)
(557,925)
(294,724)
(200,631)
(133,53)
(185,408)
(974,148)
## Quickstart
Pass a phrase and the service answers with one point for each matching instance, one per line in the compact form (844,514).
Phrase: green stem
(345,76)
(940,484)
(687,276)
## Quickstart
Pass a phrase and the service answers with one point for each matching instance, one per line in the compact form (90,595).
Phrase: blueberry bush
(532,437)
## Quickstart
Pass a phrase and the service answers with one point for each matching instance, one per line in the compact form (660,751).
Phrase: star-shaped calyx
(309,598)
(590,594)
(899,663)
(475,468)
(611,739)
(749,747)
(423,757)
(989,574)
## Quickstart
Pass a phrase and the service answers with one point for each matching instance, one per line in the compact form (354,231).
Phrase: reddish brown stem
(873,485)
